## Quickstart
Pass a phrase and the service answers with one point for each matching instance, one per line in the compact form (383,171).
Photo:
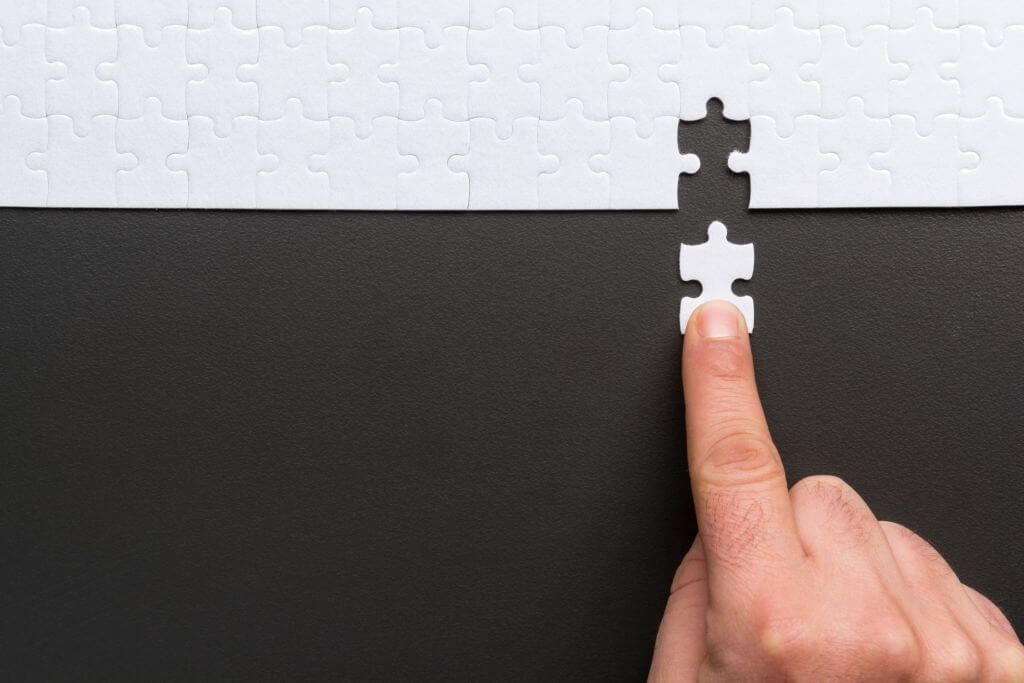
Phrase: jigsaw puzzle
(716,265)
(505,104)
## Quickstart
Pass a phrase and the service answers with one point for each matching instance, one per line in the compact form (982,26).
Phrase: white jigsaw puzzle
(505,104)
(716,265)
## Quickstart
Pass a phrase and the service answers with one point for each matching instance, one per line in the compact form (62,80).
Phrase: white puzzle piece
(716,265)
(81,170)
(22,136)
(428,183)
(408,104)
(574,140)
(503,173)
(645,171)
(152,138)
(998,140)
(783,170)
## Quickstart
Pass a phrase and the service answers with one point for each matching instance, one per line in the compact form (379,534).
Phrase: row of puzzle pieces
(505,104)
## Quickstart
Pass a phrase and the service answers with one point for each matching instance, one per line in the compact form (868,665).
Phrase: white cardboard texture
(716,265)
(510,104)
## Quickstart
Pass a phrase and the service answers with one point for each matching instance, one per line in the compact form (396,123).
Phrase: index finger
(739,484)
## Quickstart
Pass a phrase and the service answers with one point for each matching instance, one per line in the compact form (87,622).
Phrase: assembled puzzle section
(505,104)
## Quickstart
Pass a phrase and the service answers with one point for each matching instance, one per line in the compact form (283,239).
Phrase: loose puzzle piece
(716,265)
(874,102)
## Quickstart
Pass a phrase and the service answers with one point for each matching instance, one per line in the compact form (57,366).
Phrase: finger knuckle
(838,504)
(741,456)
(955,659)
(928,563)
(1010,664)
(897,647)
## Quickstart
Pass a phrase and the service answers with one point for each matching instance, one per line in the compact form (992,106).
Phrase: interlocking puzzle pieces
(716,265)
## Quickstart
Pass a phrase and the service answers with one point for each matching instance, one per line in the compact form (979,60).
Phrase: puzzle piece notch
(293,18)
(994,16)
(15,15)
(716,265)
(152,17)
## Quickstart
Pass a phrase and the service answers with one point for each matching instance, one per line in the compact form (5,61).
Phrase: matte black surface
(450,447)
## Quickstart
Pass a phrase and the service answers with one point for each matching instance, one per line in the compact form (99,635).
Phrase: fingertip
(717,320)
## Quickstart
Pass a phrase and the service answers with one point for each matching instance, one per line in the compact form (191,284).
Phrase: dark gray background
(450,446)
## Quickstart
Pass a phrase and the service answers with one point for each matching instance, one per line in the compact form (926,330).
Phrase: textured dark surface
(450,447)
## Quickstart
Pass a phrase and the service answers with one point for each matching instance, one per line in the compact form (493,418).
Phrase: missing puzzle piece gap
(716,265)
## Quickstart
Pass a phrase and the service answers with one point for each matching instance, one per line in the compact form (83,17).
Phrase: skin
(803,584)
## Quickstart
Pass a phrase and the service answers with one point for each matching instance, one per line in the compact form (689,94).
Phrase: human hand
(803,584)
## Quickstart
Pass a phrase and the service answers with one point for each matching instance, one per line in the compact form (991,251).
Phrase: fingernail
(719,320)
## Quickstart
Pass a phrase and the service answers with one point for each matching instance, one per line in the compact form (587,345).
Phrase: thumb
(680,649)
